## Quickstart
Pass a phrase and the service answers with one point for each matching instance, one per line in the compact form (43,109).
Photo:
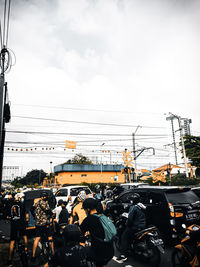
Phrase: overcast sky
(125,62)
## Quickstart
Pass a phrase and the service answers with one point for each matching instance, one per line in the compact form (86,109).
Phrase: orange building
(79,173)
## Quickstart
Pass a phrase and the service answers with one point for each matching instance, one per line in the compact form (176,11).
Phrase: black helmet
(71,233)
(89,203)
(44,194)
(135,198)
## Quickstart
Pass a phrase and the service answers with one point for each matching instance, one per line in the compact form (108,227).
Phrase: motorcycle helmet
(82,195)
(90,203)
(135,198)
(97,188)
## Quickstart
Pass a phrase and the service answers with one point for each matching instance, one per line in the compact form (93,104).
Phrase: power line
(88,134)
(85,109)
(86,122)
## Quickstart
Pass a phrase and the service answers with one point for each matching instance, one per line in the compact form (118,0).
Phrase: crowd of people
(69,247)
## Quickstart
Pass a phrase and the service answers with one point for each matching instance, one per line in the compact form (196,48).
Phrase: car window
(125,186)
(74,191)
(125,198)
(62,193)
(187,197)
(156,199)
(143,197)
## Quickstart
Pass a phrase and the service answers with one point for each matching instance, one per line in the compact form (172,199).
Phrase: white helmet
(82,195)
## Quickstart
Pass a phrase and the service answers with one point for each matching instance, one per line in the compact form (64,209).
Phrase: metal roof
(87,168)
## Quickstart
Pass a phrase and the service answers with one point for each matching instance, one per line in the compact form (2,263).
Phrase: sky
(100,67)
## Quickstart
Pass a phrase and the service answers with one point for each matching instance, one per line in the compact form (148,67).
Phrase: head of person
(64,204)
(134,199)
(60,201)
(82,196)
(44,196)
(90,204)
(97,188)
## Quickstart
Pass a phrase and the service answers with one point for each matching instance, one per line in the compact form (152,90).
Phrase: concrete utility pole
(2,122)
(171,118)
(182,143)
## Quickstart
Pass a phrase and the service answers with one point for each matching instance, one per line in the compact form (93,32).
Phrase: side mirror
(70,198)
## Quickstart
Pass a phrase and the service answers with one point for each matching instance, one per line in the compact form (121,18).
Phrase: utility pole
(171,118)
(182,143)
(5,64)
(134,153)
(2,122)
(183,146)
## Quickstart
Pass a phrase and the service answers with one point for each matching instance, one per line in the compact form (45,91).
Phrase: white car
(72,191)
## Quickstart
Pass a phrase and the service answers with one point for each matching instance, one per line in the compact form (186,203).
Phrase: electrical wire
(86,122)
(88,134)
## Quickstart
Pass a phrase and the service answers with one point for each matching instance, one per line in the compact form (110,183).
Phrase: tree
(192,149)
(79,159)
(34,176)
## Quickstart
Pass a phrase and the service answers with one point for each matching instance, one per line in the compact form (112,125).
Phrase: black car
(166,207)
(30,197)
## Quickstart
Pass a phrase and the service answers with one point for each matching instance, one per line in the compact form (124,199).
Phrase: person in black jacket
(100,251)
(136,222)
(18,225)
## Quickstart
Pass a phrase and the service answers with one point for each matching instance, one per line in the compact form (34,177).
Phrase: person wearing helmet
(70,253)
(17,225)
(100,251)
(42,214)
(78,214)
(136,221)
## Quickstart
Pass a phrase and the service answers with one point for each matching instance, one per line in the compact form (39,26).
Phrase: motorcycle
(187,253)
(146,244)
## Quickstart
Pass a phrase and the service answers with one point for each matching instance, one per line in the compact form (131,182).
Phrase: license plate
(192,216)
(157,242)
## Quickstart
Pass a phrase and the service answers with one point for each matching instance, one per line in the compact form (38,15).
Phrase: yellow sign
(127,158)
(70,144)
(159,176)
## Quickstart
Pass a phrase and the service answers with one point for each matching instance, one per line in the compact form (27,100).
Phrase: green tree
(79,159)
(192,149)
(32,177)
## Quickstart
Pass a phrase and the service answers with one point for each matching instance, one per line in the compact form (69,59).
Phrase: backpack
(109,228)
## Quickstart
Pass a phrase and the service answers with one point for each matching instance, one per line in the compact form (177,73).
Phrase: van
(69,193)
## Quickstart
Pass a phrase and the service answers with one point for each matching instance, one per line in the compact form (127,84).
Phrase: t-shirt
(17,211)
(101,249)
(41,212)
(63,216)
(72,256)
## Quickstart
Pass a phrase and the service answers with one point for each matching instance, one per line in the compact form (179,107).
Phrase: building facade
(11,172)
(97,173)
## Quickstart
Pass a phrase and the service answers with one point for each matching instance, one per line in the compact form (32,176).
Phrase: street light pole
(101,162)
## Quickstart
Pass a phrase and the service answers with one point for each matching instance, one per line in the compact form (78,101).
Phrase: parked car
(196,190)
(30,197)
(69,193)
(133,185)
(167,207)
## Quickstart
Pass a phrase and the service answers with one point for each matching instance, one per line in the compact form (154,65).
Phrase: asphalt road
(4,246)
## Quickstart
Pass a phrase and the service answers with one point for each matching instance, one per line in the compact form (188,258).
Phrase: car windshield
(74,191)
(182,197)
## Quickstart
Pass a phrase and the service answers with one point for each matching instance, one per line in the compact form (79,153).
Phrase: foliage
(181,180)
(32,177)
(79,159)
(192,149)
